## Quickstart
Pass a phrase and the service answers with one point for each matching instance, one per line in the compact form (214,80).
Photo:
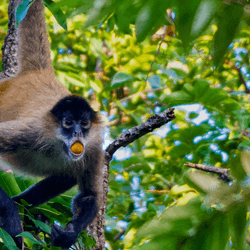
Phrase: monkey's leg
(84,211)
(9,218)
(46,189)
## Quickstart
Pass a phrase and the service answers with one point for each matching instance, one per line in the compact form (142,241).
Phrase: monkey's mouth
(76,149)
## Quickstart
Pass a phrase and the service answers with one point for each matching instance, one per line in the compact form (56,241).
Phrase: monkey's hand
(84,210)
(64,238)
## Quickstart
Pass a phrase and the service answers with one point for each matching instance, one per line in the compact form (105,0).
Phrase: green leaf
(119,79)
(9,184)
(203,16)
(201,182)
(97,86)
(111,23)
(8,240)
(122,18)
(180,221)
(214,96)
(245,160)
(101,10)
(25,182)
(61,206)
(84,6)
(189,88)
(42,225)
(212,234)
(230,105)
(186,13)
(238,222)
(178,97)
(227,27)
(48,211)
(192,115)
(162,242)
(30,237)
(181,150)
(57,13)
(24,203)
(236,168)
(244,143)
(74,79)
(154,81)
(150,17)
(173,74)
(88,241)
(201,86)
(22,10)
(217,237)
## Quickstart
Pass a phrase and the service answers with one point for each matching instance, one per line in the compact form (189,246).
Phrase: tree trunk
(9,49)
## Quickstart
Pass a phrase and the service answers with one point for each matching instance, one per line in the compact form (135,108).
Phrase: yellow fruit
(77,148)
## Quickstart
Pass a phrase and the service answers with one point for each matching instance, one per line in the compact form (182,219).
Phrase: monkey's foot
(63,238)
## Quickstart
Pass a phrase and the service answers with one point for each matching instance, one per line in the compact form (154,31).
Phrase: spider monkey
(46,131)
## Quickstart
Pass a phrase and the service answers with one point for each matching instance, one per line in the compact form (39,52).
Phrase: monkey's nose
(78,129)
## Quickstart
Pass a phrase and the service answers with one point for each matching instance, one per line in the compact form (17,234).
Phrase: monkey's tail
(33,43)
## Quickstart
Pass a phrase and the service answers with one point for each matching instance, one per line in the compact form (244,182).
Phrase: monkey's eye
(85,124)
(67,123)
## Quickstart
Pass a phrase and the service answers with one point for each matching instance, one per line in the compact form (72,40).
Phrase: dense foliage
(132,59)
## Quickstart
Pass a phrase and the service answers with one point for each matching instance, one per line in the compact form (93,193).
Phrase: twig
(241,78)
(248,240)
(36,237)
(220,171)
(132,166)
(134,133)
(158,191)
(242,81)
(140,93)
(157,52)
(118,236)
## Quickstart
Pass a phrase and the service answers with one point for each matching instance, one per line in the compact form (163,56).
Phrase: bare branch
(118,236)
(157,52)
(158,191)
(128,168)
(134,133)
(141,93)
(220,171)
(242,80)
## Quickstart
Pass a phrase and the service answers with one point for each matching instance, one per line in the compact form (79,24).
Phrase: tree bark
(9,49)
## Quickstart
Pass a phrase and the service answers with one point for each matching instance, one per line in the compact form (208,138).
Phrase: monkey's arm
(46,189)
(84,211)
(86,204)
(10,219)
(84,208)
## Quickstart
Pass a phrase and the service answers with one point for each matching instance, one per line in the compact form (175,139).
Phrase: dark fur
(9,217)
(71,104)
(33,106)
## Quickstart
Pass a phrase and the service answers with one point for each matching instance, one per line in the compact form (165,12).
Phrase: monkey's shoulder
(29,95)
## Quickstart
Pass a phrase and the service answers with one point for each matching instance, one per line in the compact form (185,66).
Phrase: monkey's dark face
(74,132)
(76,118)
